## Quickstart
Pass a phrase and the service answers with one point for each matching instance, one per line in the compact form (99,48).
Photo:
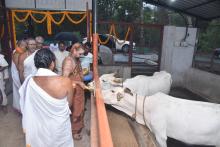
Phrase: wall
(124,71)
(203,83)
(177,55)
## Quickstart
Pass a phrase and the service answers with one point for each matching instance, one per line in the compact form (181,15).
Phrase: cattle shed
(106,126)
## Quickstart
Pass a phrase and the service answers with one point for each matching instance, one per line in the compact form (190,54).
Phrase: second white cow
(142,85)
(192,122)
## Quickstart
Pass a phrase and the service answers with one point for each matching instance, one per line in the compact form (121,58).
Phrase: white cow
(142,85)
(192,122)
(149,85)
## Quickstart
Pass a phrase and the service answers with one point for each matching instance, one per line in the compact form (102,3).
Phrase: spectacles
(32,44)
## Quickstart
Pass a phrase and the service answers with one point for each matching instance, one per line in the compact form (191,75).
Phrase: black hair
(88,44)
(68,48)
(61,42)
(43,58)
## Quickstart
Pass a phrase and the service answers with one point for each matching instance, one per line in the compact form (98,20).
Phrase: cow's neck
(134,107)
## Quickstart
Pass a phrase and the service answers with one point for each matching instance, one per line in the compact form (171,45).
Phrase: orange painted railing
(100,131)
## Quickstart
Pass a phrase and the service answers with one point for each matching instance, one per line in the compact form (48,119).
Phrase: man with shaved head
(20,49)
(26,60)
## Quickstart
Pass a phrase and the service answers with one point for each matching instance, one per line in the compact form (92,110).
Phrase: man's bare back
(21,59)
(15,57)
(56,86)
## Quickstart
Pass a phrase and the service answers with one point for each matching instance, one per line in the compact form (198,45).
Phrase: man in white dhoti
(60,54)
(26,61)
(45,107)
(3,76)
(21,47)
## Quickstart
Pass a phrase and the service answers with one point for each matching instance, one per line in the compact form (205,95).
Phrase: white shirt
(3,62)
(86,61)
(60,56)
(29,66)
(54,47)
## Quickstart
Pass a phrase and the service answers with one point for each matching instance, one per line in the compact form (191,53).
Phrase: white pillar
(177,55)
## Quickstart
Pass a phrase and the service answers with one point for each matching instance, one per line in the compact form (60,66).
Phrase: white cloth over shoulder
(16,86)
(45,120)
(29,67)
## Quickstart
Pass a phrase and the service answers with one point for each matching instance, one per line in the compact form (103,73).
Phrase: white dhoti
(3,76)
(29,66)
(45,120)
(16,86)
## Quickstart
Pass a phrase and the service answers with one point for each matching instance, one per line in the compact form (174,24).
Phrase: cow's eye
(119,96)
(113,91)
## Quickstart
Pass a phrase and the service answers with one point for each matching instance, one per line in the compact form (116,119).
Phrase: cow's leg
(159,130)
(162,142)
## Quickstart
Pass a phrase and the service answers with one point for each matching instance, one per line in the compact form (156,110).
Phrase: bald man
(26,60)
(21,48)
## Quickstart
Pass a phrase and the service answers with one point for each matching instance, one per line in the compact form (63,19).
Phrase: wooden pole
(104,138)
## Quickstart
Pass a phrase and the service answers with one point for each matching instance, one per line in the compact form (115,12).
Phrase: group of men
(48,86)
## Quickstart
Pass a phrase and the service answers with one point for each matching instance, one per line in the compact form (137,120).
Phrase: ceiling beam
(162,4)
(201,4)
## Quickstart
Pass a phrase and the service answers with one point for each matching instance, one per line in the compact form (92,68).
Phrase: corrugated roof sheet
(203,9)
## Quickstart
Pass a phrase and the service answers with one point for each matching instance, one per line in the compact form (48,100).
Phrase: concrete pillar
(177,54)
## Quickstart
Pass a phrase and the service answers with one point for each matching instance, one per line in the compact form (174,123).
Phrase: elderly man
(39,42)
(60,54)
(21,48)
(72,68)
(3,76)
(26,60)
(45,107)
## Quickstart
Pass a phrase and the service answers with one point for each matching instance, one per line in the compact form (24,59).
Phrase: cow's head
(107,81)
(116,95)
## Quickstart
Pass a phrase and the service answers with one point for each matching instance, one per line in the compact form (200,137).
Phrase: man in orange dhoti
(72,68)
